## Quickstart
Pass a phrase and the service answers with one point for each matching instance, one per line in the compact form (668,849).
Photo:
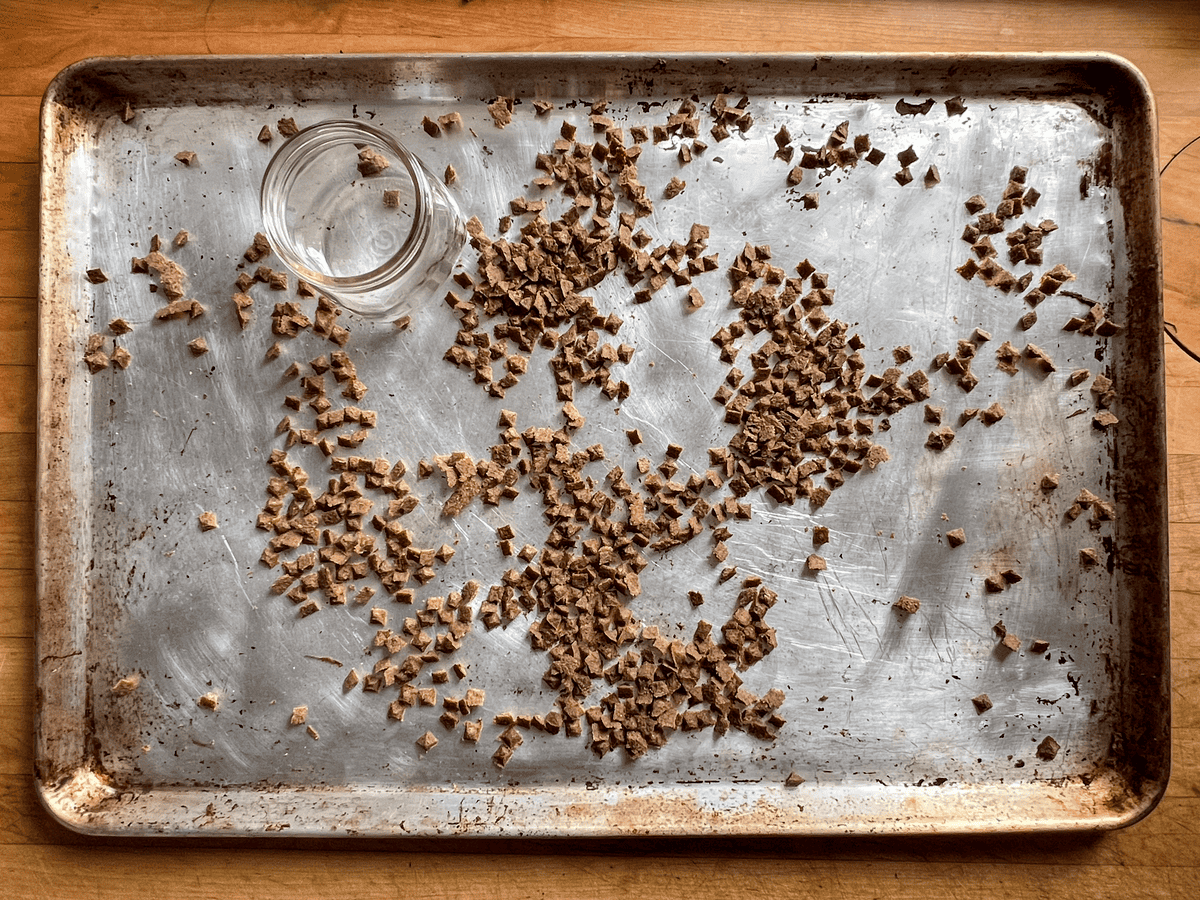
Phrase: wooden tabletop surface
(1158,857)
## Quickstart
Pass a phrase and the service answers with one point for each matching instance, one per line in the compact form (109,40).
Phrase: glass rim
(282,170)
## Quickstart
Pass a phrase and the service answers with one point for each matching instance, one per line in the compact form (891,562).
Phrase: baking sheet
(879,718)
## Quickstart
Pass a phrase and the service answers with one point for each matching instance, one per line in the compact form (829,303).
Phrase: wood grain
(1183,485)
(18,197)
(17,604)
(16,535)
(1183,412)
(19,128)
(18,278)
(18,398)
(323,873)
(18,330)
(17,452)
(1159,857)
(1185,557)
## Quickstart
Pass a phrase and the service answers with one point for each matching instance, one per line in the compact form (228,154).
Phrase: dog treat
(209,700)
(1048,749)
(187,157)
(982,703)
(208,521)
(956,537)
(371,163)
(501,110)
(907,605)
(127,685)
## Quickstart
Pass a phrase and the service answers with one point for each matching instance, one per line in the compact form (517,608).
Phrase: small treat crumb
(209,700)
(391,199)
(126,685)
(181,238)
(370,162)
(299,715)
(1049,482)
(982,703)
(820,535)
(501,111)
(427,741)
(472,731)
(264,135)
(187,157)
(696,598)
(451,175)
(287,127)
(199,346)
(121,358)
(794,779)
(1039,646)
(351,680)
(208,521)
(1048,749)
(907,605)
(119,327)
(956,538)
(96,276)
(1089,557)
(992,414)
(815,563)
(674,188)
(312,733)
(1011,642)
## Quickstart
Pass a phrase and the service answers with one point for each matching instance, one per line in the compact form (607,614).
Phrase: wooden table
(1159,857)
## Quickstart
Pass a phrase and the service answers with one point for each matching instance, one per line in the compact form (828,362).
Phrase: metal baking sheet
(880,723)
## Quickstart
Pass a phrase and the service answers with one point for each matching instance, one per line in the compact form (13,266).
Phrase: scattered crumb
(126,685)
(299,715)
(209,700)
(208,521)
(907,605)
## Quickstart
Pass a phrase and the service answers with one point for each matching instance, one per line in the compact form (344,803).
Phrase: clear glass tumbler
(348,209)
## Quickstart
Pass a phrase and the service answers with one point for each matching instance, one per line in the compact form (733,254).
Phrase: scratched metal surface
(879,717)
